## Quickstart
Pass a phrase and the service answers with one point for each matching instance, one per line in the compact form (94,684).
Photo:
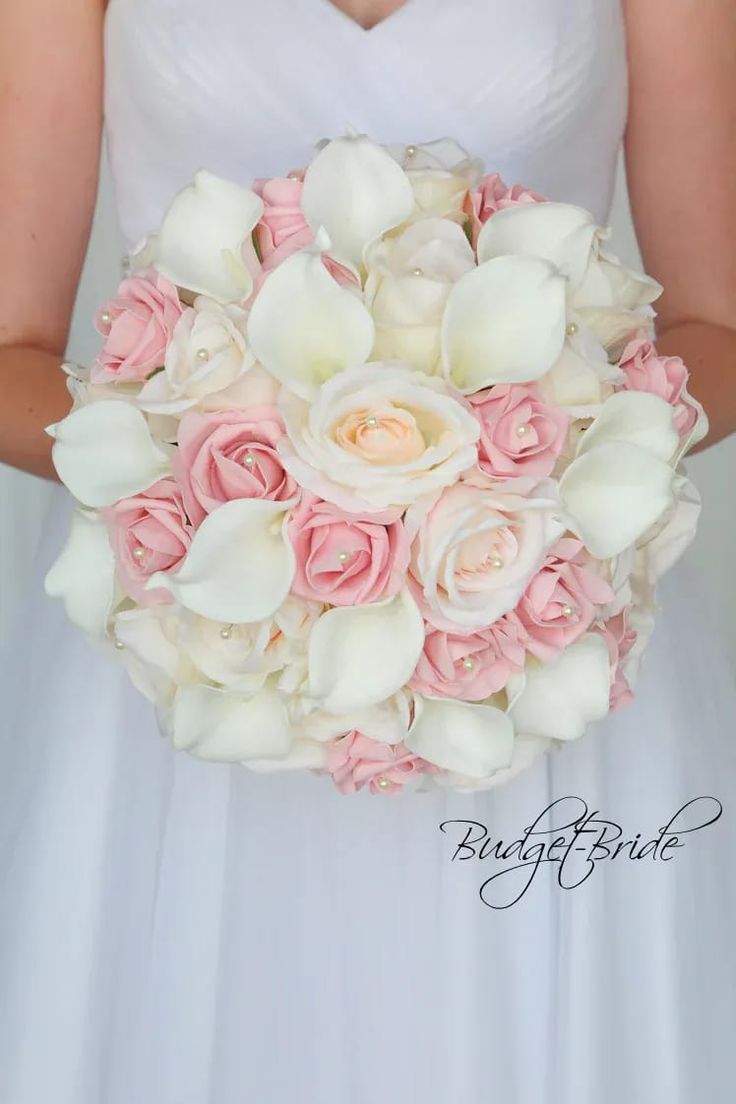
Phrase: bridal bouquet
(376,471)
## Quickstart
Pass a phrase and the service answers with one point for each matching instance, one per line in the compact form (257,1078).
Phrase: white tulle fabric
(179,932)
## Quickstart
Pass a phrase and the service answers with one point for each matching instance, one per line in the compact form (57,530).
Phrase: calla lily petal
(558,232)
(361,655)
(239,567)
(504,323)
(304,327)
(356,191)
(83,575)
(230,728)
(561,698)
(472,740)
(638,418)
(199,245)
(613,494)
(104,452)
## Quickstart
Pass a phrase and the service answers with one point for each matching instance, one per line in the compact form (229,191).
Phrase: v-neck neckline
(367,32)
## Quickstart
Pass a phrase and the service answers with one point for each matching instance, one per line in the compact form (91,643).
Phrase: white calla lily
(473,740)
(637,418)
(613,494)
(561,698)
(83,575)
(104,452)
(200,243)
(239,566)
(304,327)
(557,232)
(361,655)
(356,191)
(504,323)
(230,728)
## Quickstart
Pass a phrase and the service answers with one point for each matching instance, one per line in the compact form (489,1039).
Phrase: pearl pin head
(226,632)
(468,665)
(343,557)
(411,151)
(522,430)
(106,318)
(382,783)
(496,562)
(371,422)
(572,329)
(203,355)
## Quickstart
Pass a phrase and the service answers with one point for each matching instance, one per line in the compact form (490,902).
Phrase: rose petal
(240,565)
(638,418)
(201,237)
(361,655)
(356,191)
(304,327)
(562,697)
(473,740)
(504,323)
(614,493)
(83,575)
(104,452)
(557,232)
(228,728)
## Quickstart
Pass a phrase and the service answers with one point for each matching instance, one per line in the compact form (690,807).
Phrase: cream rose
(378,436)
(478,547)
(409,279)
(441,174)
(207,354)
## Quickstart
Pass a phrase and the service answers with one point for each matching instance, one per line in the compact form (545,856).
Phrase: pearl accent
(411,151)
(249,461)
(382,782)
(119,645)
(568,611)
(139,553)
(203,354)
(106,317)
(417,272)
(343,557)
(226,632)
(496,562)
(468,665)
(522,430)
(572,329)
(372,422)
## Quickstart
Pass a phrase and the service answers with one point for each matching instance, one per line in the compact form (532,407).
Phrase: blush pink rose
(355,761)
(283,229)
(620,639)
(229,454)
(493,195)
(137,326)
(149,532)
(343,559)
(520,434)
(560,602)
(666,376)
(473,666)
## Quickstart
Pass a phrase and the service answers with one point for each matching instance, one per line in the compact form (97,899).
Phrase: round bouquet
(376,471)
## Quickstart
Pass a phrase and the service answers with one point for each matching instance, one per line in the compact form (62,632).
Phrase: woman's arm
(681,167)
(50,128)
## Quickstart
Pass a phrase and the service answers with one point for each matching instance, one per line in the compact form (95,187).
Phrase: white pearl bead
(203,354)
(139,553)
(496,562)
(119,645)
(417,272)
(568,611)
(249,461)
(468,664)
(106,317)
(226,632)
(411,151)
(522,430)
(372,422)
(343,557)
(572,329)
(382,782)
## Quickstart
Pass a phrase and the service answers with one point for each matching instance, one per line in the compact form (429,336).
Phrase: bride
(180,932)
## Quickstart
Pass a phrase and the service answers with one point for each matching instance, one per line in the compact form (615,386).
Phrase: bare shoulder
(51,66)
(681,150)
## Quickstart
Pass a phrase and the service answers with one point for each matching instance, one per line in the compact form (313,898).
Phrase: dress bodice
(537,88)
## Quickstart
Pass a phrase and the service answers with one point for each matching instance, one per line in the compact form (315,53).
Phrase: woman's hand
(681,168)
(50,130)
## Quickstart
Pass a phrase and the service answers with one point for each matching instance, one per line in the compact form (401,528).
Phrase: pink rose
(137,326)
(283,229)
(229,454)
(354,760)
(663,376)
(473,666)
(520,434)
(620,639)
(343,559)
(561,601)
(493,195)
(149,532)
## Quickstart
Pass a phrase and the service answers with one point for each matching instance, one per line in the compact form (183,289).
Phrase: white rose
(388,721)
(208,353)
(409,279)
(378,436)
(477,547)
(441,173)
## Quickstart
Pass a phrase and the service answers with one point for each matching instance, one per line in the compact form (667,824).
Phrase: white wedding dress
(178,932)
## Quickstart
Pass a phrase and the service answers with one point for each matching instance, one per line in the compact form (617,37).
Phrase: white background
(23,500)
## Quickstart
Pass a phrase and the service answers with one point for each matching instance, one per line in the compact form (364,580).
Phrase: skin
(680,154)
